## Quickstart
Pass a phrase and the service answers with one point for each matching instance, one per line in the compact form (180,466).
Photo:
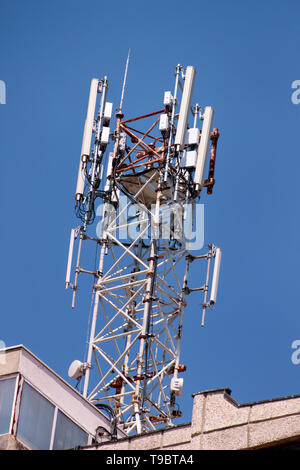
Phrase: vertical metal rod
(124,81)
(195,112)
(125,367)
(146,317)
(132,314)
(93,324)
(119,113)
(213,150)
(182,302)
(180,324)
(176,186)
(178,69)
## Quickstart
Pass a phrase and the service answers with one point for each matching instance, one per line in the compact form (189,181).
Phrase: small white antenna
(124,82)
(216,273)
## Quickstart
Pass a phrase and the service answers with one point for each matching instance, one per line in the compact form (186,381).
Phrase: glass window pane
(35,419)
(7,389)
(68,434)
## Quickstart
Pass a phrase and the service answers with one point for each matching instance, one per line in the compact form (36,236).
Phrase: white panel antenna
(215,279)
(185,106)
(70,257)
(203,146)
(87,136)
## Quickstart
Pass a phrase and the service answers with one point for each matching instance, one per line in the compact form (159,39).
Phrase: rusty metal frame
(149,152)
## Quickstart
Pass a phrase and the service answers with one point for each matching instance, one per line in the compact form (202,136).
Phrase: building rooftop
(41,410)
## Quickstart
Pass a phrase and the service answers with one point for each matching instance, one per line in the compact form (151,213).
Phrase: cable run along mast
(147,174)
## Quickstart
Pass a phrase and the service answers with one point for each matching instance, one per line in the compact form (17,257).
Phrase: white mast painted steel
(143,255)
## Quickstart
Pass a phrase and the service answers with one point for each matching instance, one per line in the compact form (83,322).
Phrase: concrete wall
(220,423)
(9,442)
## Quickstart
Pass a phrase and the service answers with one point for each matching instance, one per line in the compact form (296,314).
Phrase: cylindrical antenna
(124,82)
(70,257)
(215,279)
(119,114)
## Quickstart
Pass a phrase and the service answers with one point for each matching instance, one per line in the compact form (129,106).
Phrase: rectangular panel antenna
(185,106)
(215,279)
(87,136)
(203,146)
(70,257)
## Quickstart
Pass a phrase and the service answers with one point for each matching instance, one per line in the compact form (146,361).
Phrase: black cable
(114,431)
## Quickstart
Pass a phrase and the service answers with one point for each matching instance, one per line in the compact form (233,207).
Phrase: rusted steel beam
(213,151)
(140,132)
(144,116)
(133,166)
(140,141)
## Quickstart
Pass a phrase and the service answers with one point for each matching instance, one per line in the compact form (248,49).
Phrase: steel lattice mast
(154,179)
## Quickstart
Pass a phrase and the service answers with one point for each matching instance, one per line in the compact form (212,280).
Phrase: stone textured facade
(9,442)
(220,423)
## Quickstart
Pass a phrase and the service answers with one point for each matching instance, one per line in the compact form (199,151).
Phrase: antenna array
(148,186)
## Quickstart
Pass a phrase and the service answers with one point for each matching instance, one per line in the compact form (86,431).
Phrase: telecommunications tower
(147,174)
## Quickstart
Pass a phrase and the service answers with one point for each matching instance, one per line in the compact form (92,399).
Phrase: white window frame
(56,409)
(12,411)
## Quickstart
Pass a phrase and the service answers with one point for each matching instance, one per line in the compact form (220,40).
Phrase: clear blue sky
(246,55)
